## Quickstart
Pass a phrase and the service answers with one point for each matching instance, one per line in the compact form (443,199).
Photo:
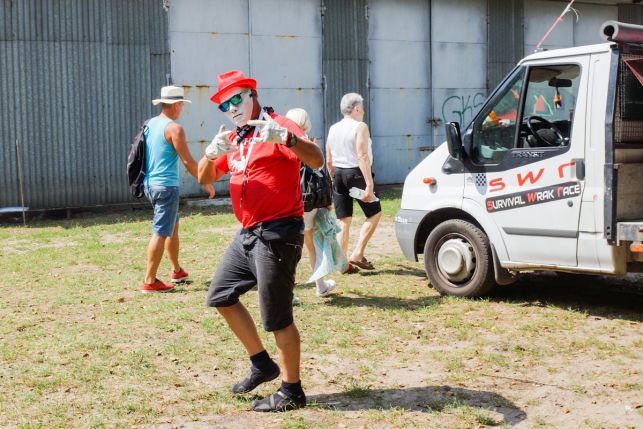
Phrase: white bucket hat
(171,95)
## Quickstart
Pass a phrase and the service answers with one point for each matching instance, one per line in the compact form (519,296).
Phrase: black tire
(480,277)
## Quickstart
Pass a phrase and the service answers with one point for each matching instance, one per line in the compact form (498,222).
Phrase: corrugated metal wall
(632,13)
(77,78)
(505,33)
(344,54)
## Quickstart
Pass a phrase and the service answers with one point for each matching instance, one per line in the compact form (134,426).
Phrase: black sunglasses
(235,100)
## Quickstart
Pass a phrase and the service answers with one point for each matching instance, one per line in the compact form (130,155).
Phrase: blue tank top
(161,159)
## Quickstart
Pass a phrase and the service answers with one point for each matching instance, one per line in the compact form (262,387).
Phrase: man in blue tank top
(165,145)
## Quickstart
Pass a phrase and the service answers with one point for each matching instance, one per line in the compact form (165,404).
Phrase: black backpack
(316,188)
(136,163)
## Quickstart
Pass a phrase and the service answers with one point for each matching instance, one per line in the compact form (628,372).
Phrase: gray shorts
(251,260)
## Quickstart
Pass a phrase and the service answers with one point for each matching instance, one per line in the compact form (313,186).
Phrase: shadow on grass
(109,215)
(600,296)
(387,302)
(430,399)
(399,271)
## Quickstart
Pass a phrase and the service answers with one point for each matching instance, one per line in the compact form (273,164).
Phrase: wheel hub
(456,260)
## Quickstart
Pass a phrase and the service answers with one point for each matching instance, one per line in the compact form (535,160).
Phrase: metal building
(418,63)
(78,76)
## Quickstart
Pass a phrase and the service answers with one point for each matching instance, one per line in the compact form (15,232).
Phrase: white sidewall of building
(399,85)
(276,42)
(427,64)
(459,58)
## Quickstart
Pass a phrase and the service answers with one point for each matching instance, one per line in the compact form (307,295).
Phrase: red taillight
(636,247)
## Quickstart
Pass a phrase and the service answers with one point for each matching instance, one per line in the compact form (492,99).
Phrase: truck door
(526,147)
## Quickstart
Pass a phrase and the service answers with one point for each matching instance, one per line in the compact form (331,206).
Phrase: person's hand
(369,195)
(209,189)
(220,144)
(270,131)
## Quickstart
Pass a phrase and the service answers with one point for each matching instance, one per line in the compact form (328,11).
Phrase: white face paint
(240,114)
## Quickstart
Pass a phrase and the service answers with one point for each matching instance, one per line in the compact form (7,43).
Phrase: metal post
(22,195)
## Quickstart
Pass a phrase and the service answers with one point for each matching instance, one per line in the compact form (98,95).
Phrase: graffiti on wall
(461,108)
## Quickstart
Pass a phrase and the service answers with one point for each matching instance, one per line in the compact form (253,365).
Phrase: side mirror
(454,140)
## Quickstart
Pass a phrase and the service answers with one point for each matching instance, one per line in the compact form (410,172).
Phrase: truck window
(545,118)
(549,106)
(494,130)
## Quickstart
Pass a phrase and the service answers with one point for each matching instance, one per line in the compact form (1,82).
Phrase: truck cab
(547,176)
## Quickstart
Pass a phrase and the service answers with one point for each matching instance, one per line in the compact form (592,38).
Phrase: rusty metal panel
(79,77)
(400,86)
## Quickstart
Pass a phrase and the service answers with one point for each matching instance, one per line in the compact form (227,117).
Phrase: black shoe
(255,378)
(279,402)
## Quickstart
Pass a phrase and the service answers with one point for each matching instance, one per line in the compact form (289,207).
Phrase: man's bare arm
(329,160)
(364,161)
(207,172)
(175,135)
(308,152)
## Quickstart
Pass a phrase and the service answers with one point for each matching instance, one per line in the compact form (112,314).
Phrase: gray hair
(349,102)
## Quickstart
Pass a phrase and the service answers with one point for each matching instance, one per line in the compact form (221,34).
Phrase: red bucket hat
(232,79)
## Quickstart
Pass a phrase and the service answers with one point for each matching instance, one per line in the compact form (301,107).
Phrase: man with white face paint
(263,157)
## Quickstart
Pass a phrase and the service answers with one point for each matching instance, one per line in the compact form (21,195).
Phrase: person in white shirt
(349,158)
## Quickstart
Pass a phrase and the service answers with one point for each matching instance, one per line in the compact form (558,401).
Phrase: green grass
(81,346)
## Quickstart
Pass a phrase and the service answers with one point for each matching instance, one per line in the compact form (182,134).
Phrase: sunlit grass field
(80,346)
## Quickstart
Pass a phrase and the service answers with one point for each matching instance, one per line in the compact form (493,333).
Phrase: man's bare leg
(172,248)
(342,237)
(241,323)
(310,246)
(365,234)
(154,254)
(288,345)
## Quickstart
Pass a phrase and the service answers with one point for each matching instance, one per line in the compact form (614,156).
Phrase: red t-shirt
(271,189)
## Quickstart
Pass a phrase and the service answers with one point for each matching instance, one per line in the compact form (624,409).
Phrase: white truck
(547,176)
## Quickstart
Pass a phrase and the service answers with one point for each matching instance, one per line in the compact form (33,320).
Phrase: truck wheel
(457,259)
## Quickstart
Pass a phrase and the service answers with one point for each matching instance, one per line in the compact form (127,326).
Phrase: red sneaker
(157,286)
(180,276)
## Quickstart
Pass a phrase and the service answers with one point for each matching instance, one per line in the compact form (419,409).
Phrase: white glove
(270,131)
(220,144)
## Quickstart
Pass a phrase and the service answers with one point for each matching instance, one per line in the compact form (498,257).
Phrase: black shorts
(343,180)
(270,264)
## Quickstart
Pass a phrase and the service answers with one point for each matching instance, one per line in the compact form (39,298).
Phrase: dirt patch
(19,247)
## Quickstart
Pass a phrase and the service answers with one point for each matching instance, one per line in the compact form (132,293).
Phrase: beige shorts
(309,219)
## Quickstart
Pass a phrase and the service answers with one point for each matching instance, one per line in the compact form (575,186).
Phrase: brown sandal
(350,269)
(363,264)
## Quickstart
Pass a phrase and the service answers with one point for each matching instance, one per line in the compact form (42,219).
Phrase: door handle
(579,163)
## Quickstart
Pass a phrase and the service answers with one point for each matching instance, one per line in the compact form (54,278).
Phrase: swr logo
(498,183)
